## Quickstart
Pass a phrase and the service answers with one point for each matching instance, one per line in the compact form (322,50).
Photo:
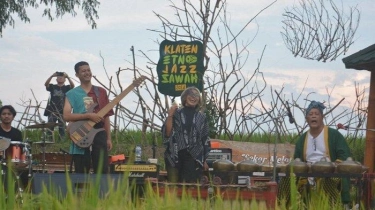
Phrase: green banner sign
(180,66)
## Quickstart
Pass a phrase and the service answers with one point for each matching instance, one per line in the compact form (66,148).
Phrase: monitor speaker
(58,184)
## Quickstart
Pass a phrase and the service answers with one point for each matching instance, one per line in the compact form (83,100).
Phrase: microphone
(341,126)
(290,116)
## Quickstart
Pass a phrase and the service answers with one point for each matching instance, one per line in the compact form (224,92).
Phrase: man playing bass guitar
(83,104)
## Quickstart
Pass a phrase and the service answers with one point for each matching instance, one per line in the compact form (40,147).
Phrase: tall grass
(120,195)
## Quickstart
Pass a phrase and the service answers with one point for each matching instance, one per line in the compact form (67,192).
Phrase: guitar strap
(96,91)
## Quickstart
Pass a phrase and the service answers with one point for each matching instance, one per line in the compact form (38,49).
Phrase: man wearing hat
(318,142)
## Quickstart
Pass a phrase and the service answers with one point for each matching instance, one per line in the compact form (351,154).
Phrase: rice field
(119,193)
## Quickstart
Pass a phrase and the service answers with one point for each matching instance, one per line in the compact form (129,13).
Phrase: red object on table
(117,158)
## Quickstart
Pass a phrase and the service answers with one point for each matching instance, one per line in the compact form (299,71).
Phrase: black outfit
(82,163)
(55,106)
(14,135)
(188,169)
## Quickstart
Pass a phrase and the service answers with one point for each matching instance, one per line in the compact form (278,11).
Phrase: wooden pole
(370,135)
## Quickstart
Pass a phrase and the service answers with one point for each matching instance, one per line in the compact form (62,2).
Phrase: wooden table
(267,192)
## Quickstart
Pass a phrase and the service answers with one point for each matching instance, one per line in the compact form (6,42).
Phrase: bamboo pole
(370,135)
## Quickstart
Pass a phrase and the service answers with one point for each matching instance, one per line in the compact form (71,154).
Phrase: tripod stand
(43,144)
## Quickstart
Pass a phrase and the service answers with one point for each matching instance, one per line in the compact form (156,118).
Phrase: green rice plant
(120,195)
(357,148)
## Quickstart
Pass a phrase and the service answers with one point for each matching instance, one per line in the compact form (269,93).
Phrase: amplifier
(137,171)
(217,154)
(137,174)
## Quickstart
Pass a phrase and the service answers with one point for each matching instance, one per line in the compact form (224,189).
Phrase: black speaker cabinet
(217,154)
(59,183)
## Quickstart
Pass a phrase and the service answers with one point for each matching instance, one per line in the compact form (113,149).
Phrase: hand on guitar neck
(94,117)
(82,132)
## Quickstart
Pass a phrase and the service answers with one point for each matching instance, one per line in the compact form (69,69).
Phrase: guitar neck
(115,101)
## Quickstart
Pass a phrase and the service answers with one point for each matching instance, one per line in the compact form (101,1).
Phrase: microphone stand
(277,139)
(275,120)
(153,147)
(359,129)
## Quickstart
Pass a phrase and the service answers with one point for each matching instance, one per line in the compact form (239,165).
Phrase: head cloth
(316,105)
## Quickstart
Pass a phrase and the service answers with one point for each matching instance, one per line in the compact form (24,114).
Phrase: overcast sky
(31,52)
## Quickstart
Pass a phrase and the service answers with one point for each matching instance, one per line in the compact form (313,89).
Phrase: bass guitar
(82,132)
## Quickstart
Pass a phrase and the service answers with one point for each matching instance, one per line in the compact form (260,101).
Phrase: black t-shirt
(14,134)
(57,98)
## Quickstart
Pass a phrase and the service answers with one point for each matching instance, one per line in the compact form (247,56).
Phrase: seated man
(318,142)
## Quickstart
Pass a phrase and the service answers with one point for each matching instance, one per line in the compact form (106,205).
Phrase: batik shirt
(195,139)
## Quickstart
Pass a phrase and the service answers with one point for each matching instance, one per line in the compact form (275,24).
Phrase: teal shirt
(75,97)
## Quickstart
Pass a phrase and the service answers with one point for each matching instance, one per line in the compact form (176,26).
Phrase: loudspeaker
(218,154)
(58,183)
